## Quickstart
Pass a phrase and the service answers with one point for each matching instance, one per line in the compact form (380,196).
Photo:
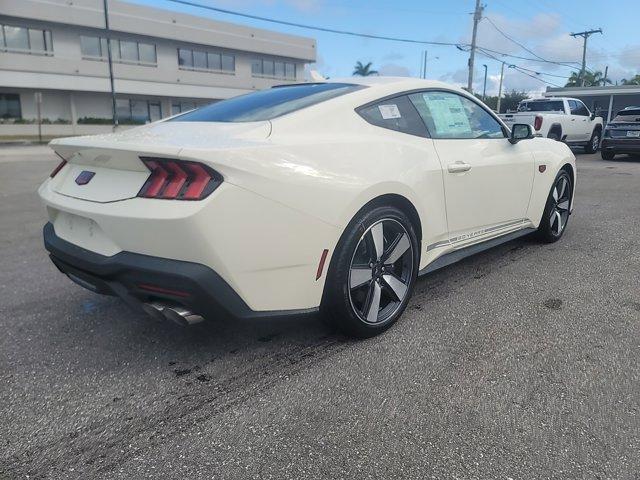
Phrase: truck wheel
(594,143)
(607,154)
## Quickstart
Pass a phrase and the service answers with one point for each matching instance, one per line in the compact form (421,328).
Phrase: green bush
(94,121)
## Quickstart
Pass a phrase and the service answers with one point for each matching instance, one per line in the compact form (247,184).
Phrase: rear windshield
(542,106)
(267,104)
(630,112)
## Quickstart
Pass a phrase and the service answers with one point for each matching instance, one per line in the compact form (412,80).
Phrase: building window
(137,111)
(189,59)
(25,40)
(262,67)
(122,51)
(179,107)
(10,105)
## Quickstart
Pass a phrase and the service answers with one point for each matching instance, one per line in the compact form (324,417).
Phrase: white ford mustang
(327,196)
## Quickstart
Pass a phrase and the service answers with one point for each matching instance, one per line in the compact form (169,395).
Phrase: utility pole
(500,88)
(424,64)
(484,88)
(606,72)
(477,16)
(585,35)
(110,61)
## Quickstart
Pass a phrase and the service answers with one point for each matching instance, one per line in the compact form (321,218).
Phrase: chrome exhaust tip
(154,310)
(175,313)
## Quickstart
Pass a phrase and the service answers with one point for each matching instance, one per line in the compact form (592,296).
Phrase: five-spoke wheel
(556,212)
(381,270)
(559,214)
(372,272)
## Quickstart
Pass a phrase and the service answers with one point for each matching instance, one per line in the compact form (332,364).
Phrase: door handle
(458,167)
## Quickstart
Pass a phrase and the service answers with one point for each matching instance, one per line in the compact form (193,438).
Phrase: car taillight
(537,123)
(178,179)
(58,168)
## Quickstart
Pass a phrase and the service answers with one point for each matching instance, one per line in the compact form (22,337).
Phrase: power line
(521,70)
(585,35)
(562,64)
(460,46)
(514,40)
(313,27)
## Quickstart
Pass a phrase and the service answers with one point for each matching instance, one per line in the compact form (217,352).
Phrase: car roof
(403,83)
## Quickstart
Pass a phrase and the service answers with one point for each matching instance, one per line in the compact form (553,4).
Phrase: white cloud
(393,70)
(393,56)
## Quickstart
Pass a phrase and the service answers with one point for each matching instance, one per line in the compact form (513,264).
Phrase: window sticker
(389,111)
(449,115)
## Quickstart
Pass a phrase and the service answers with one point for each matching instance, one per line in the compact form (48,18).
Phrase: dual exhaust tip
(175,313)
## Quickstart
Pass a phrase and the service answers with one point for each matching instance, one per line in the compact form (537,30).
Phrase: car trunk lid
(112,164)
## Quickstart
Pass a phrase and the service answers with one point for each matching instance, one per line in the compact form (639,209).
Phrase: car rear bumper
(623,145)
(140,279)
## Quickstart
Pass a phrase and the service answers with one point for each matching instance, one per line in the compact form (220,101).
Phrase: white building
(163,62)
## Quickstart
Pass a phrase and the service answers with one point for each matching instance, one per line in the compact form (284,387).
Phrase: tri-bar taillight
(178,179)
(537,122)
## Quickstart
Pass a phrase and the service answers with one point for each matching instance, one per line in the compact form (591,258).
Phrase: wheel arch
(400,202)
(567,167)
(555,127)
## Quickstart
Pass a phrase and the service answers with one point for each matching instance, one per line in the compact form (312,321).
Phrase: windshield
(541,106)
(628,115)
(267,104)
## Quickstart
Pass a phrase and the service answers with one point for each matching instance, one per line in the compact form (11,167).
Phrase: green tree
(363,70)
(509,101)
(631,81)
(591,79)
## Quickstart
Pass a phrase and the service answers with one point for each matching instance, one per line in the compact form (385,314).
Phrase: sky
(541,27)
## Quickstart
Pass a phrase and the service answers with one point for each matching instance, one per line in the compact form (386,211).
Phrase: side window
(449,115)
(581,109)
(578,108)
(395,114)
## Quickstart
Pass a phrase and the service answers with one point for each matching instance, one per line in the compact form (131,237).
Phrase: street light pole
(114,110)
(424,64)
(500,87)
(484,88)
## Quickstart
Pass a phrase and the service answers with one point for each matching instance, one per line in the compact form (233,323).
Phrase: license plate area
(84,232)
(633,133)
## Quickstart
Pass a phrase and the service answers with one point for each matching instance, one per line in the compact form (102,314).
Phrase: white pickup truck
(560,118)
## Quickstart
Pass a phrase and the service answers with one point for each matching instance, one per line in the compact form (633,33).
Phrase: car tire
(556,211)
(607,154)
(594,143)
(376,260)
(553,136)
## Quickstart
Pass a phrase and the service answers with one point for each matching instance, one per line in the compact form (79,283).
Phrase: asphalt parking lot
(519,363)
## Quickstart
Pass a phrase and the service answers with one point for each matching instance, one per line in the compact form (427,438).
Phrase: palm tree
(632,81)
(591,79)
(364,70)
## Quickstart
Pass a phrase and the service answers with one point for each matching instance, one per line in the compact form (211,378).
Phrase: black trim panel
(207,293)
(457,255)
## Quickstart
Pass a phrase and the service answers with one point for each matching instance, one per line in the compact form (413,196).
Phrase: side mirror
(593,115)
(520,131)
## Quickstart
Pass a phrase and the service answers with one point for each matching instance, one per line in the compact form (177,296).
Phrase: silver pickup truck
(560,118)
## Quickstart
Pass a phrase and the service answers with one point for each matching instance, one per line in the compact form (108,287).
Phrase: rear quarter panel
(331,171)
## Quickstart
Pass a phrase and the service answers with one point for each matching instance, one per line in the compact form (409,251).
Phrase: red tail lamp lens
(58,168)
(537,123)
(178,180)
